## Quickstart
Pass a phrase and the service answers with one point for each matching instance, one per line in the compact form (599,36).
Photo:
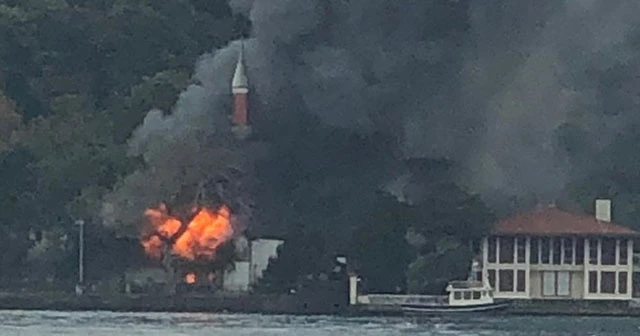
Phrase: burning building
(192,249)
(195,252)
(202,245)
(196,239)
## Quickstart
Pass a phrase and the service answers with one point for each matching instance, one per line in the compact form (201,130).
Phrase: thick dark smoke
(180,149)
(483,83)
(525,82)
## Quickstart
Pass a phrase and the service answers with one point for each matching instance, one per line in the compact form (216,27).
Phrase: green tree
(83,74)
(10,122)
(18,201)
(430,272)
(380,250)
(302,255)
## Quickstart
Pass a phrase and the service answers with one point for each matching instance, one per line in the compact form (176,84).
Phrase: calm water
(122,324)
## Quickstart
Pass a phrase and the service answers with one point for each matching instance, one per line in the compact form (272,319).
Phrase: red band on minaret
(240,108)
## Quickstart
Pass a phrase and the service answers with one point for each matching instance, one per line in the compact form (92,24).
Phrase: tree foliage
(10,121)
(76,78)
(301,256)
(380,248)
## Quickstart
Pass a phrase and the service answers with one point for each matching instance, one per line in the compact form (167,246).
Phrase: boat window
(457,296)
(467,295)
(476,295)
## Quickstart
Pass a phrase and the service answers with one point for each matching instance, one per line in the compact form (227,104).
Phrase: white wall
(579,272)
(599,268)
(237,279)
(261,251)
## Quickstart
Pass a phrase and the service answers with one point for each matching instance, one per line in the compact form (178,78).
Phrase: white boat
(468,296)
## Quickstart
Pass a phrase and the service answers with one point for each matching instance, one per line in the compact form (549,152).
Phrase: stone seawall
(574,307)
(325,303)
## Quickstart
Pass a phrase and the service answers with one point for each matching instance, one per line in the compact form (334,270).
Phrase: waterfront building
(549,253)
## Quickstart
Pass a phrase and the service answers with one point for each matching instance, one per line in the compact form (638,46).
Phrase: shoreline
(273,304)
(560,307)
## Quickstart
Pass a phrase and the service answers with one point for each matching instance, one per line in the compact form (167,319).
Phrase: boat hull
(447,309)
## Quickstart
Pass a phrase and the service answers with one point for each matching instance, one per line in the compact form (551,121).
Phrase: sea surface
(30,323)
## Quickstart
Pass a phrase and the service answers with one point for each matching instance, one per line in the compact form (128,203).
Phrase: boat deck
(402,299)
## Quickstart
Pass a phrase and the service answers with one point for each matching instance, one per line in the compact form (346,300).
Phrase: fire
(204,234)
(190,278)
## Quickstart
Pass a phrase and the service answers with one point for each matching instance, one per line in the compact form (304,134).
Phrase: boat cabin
(469,293)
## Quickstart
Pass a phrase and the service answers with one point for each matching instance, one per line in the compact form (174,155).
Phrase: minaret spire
(240,91)
(240,82)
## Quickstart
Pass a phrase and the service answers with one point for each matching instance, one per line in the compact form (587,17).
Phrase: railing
(394,299)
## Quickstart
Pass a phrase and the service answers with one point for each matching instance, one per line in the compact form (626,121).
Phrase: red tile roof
(552,221)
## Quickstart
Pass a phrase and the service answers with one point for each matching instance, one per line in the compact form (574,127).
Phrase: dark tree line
(76,78)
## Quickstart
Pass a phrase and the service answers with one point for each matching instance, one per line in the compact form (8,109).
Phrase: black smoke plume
(486,84)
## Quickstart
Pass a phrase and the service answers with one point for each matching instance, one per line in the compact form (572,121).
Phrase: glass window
(579,251)
(556,283)
(623,255)
(467,295)
(563,283)
(492,250)
(608,251)
(521,281)
(492,278)
(593,251)
(476,295)
(593,282)
(567,248)
(535,244)
(505,281)
(608,282)
(457,296)
(506,250)
(548,283)
(521,246)
(544,250)
(622,282)
(557,250)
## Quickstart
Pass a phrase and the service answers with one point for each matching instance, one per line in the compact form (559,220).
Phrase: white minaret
(240,91)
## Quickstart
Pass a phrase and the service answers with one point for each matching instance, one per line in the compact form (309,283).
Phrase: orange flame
(190,278)
(204,234)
